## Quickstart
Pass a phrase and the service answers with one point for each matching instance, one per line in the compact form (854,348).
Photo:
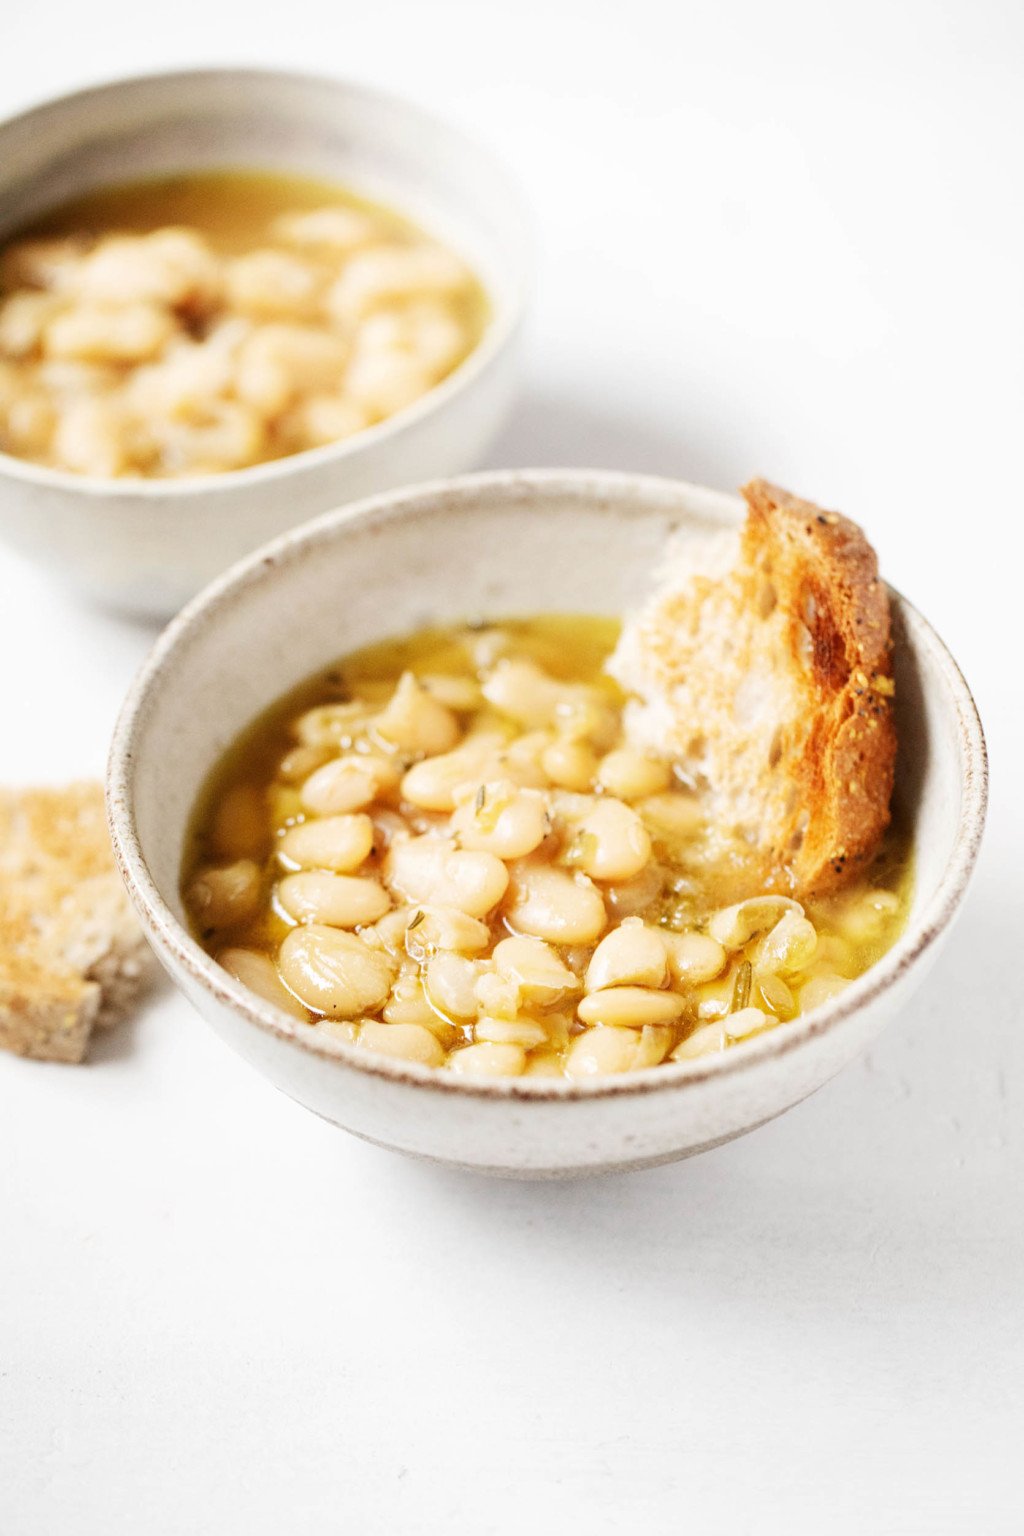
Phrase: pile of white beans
(476,871)
(155,355)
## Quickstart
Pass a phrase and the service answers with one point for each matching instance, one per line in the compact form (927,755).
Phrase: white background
(778,238)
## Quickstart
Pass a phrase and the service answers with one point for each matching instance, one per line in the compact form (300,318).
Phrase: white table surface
(784,239)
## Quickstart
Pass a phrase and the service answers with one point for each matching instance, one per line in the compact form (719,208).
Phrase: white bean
(488,1060)
(821,989)
(653,1046)
(328,232)
(432,784)
(861,915)
(334,972)
(426,331)
(27,425)
(337,1029)
(299,762)
(462,694)
(108,333)
(383,382)
(273,285)
(774,995)
(524,1032)
(321,419)
(219,435)
(347,784)
(440,927)
(388,932)
(497,817)
(524,692)
(414,721)
(183,382)
(408,1004)
(569,807)
(381,274)
(694,957)
(631,955)
(332,725)
(73,381)
(278,362)
(631,775)
(520,760)
(498,995)
(339,843)
(586,717)
(675,815)
(539,974)
(450,981)
(736,925)
(611,842)
(630,1007)
(428,869)
(552,904)
(570,764)
(90,438)
(833,953)
(628,898)
(787,947)
(259,973)
(407,1042)
(224,897)
(705,1040)
(172,267)
(544,1064)
(599,1051)
(23,320)
(746,1021)
(342,901)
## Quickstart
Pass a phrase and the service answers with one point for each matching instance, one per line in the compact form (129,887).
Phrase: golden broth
(227,205)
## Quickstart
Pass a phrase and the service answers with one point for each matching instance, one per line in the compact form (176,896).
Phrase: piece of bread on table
(762,665)
(72,956)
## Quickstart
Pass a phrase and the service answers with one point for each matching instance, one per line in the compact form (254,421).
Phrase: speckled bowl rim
(513,487)
(499,332)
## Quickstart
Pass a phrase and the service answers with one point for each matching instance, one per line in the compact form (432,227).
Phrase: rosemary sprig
(741,987)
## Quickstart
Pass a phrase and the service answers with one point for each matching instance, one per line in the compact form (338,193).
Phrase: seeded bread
(762,666)
(72,957)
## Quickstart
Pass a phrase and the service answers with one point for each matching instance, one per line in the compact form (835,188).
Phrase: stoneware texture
(493,545)
(146,547)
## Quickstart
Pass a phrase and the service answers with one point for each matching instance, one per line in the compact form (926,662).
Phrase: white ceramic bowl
(497,545)
(146,546)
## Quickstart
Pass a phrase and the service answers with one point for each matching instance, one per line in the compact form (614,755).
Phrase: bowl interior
(485,547)
(379,145)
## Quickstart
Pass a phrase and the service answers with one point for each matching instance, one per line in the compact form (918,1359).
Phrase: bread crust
(826,575)
(762,668)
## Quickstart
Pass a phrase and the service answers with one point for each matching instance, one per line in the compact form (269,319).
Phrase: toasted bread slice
(762,666)
(71,953)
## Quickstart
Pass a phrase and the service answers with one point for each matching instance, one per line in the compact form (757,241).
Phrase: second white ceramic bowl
(489,546)
(146,546)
